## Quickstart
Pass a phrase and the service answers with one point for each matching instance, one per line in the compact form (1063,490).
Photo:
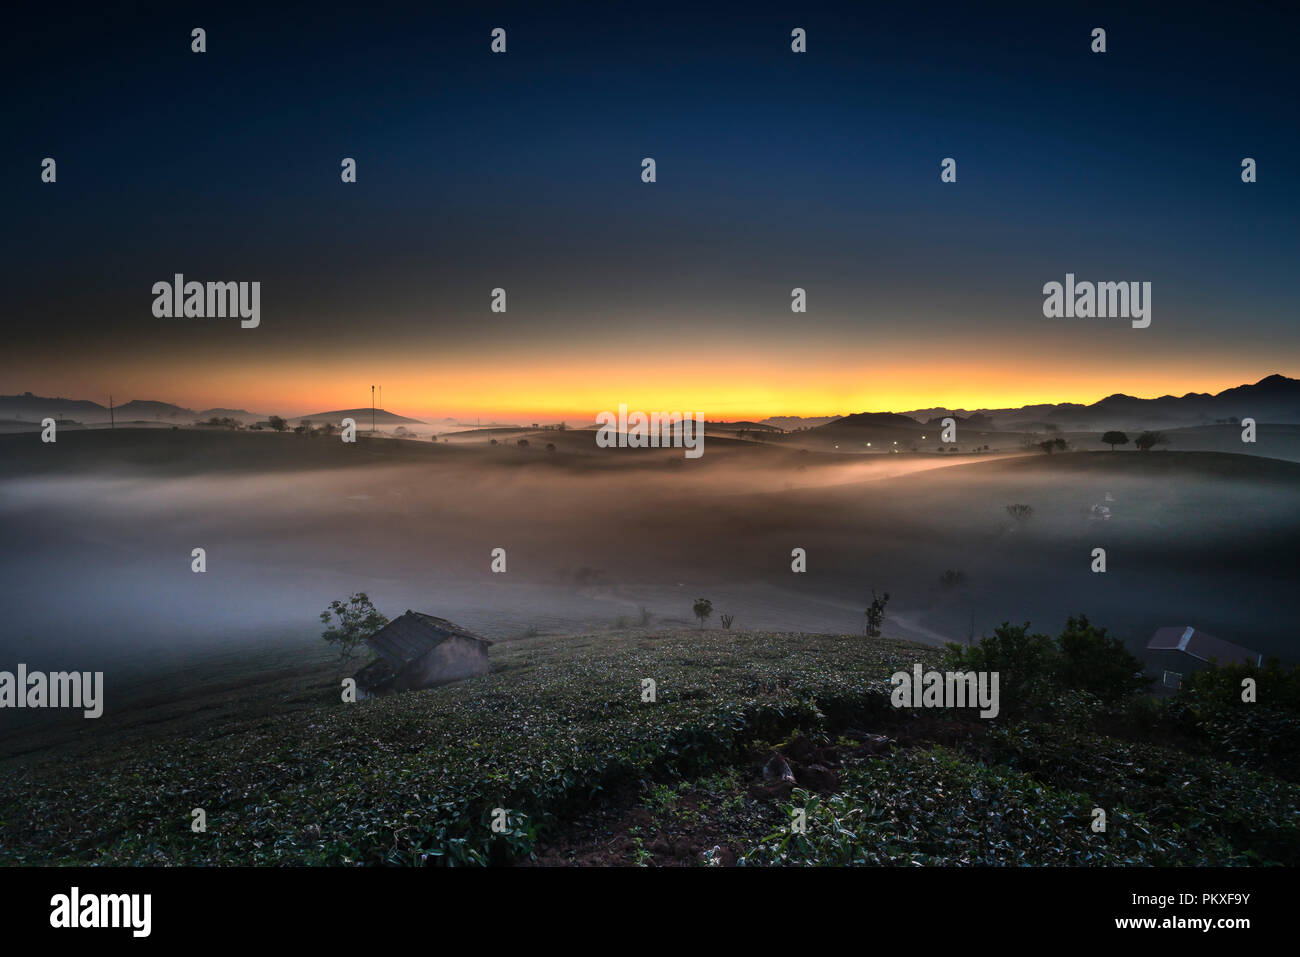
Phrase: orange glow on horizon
(730,383)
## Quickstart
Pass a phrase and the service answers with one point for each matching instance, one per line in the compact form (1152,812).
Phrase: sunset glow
(721,383)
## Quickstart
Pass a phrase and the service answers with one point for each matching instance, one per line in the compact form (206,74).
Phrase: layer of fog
(98,568)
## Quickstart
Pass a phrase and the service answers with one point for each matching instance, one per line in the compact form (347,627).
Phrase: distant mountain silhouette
(230,413)
(362,417)
(872,419)
(743,424)
(144,409)
(33,408)
(789,422)
(976,420)
(1275,399)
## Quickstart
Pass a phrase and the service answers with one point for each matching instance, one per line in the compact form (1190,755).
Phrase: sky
(522,171)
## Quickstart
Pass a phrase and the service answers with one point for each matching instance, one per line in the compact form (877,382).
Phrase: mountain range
(1273,399)
(32,408)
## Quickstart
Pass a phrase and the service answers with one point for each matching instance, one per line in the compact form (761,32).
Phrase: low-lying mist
(98,562)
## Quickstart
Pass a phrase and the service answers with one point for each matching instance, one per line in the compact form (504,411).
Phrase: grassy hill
(585,771)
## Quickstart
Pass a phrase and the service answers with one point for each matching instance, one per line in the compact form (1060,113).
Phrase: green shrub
(1077,708)
(1178,792)
(1093,662)
(1263,734)
(1034,670)
(1026,664)
(935,807)
(1219,688)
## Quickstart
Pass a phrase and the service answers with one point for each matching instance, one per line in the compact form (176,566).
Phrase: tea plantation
(560,748)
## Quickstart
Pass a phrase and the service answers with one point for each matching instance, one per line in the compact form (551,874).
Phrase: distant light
(868,445)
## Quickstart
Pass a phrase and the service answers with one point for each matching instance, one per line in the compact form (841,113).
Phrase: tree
(1097,663)
(951,578)
(1115,438)
(278,423)
(1036,670)
(1148,440)
(876,613)
(1054,445)
(1020,513)
(703,608)
(1027,665)
(351,622)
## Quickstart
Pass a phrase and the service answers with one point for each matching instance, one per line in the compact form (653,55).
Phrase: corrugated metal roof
(1202,646)
(408,637)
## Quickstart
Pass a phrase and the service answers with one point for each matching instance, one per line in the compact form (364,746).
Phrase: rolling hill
(361,415)
(1275,399)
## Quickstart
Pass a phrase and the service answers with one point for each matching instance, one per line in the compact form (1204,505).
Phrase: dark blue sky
(775,170)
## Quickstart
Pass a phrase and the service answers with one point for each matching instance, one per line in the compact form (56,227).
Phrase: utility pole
(372,408)
(112,422)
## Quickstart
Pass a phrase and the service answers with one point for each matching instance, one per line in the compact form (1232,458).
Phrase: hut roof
(1202,646)
(409,636)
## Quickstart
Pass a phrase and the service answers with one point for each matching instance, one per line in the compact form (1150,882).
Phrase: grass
(288,773)
(559,738)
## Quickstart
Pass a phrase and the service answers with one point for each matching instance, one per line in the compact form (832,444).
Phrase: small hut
(420,651)
(1181,649)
